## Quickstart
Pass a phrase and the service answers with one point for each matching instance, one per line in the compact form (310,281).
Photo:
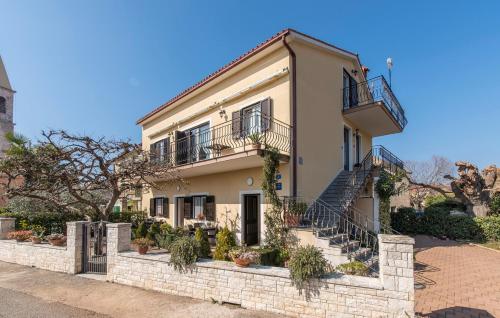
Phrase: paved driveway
(27,292)
(459,280)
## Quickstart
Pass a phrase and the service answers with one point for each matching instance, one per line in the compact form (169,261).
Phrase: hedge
(438,222)
(51,221)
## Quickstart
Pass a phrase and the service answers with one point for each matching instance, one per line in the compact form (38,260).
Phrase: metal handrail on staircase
(327,221)
(378,156)
(337,223)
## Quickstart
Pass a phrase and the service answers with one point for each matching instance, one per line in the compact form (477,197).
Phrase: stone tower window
(3,105)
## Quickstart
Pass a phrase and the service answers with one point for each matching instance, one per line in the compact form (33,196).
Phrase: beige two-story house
(310,100)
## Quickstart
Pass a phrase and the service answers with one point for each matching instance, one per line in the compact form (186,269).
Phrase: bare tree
(428,177)
(72,172)
(473,188)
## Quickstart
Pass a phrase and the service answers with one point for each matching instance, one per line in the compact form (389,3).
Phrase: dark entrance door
(347,149)
(251,219)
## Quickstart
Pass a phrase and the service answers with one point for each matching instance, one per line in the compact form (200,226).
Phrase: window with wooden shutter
(210,208)
(165,207)
(181,147)
(166,150)
(236,124)
(152,207)
(354,91)
(188,208)
(265,112)
(152,156)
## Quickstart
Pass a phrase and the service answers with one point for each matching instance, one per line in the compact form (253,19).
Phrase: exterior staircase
(333,220)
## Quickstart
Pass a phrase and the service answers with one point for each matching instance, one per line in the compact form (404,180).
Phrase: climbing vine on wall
(276,231)
(385,187)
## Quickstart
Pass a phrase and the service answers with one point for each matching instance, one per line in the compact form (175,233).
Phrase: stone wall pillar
(396,272)
(74,245)
(6,225)
(118,240)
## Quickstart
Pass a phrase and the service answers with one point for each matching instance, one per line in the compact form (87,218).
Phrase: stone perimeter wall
(256,287)
(65,259)
(269,288)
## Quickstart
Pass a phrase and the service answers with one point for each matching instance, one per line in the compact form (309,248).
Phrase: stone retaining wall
(269,288)
(54,258)
(256,287)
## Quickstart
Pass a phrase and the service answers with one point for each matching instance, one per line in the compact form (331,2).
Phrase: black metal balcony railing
(374,90)
(249,132)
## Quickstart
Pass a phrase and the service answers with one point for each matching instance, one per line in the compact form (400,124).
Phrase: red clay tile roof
(232,64)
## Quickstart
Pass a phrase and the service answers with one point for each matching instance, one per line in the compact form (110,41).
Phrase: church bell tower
(6,108)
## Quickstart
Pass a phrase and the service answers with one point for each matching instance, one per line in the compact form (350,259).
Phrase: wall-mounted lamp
(222,113)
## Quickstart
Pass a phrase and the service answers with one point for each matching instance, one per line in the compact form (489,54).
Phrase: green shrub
(168,235)
(269,257)
(49,220)
(153,231)
(184,253)
(462,227)
(490,227)
(405,221)
(354,268)
(225,241)
(201,238)
(495,204)
(434,222)
(141,231)
(133,217)
(306,263)
(439,201)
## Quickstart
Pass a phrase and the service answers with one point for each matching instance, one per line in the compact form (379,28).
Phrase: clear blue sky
(97,66)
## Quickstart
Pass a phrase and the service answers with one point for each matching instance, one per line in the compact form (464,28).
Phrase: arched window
(3,105)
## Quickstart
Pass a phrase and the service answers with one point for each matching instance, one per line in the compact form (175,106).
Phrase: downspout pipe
(294,116)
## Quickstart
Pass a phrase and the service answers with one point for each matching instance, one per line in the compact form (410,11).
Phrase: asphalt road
(27,292)
(15,304)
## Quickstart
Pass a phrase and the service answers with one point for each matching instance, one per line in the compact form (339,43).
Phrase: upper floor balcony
(373,106)
(234,145)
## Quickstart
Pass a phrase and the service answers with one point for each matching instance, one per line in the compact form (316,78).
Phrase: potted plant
(200,217)
(243,257)
(143,245)
(56,239)
(20,236)
(295,212)
(256,140)
(38,233)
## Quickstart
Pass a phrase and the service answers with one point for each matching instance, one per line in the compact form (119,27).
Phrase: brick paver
(459,280)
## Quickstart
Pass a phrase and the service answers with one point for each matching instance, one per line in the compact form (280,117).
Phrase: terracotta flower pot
(256,146)
(242,262)
(57,242)
(142,249)
(36,240)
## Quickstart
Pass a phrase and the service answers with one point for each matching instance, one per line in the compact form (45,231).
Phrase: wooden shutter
(165,208)
(152,207)
(265,112)
(354,91)
(188,207)
(181,147)
(236,126)
(210,208)
(166,150)
(152,152)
